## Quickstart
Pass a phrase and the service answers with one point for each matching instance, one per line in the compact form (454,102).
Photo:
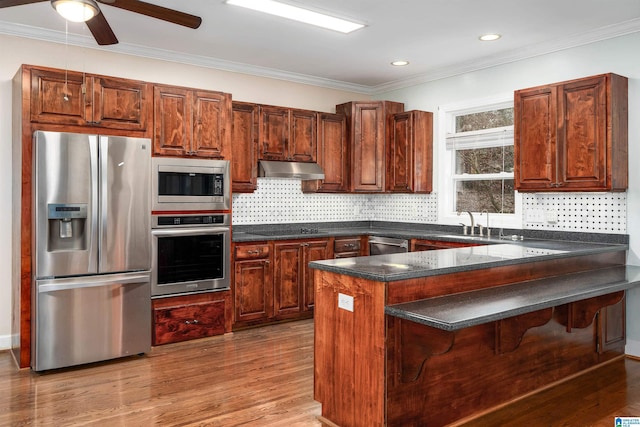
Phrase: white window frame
(446,166)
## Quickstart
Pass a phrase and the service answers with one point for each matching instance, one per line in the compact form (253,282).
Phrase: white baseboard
(5,342)
(632,348)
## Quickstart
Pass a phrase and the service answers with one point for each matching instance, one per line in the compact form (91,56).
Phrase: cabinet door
(58,97)
(611,327)
(409,152)
(121,104)
(535,138)
(302,143)
(368,147)
(274,133)
(253,290)
(582,140)
(313,251)
(244,147)
(332,155)
(172,121)
(211,112)
(287,279)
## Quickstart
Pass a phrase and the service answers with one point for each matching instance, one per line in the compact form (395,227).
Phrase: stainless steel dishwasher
(387,245)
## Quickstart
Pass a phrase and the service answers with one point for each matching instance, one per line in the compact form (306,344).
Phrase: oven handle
(195,231)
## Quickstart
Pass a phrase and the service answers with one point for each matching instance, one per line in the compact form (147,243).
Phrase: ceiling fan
(98,24)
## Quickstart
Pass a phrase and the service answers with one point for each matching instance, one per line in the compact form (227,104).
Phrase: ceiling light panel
(298,14)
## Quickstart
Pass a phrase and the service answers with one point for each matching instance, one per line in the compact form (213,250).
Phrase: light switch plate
(345,302)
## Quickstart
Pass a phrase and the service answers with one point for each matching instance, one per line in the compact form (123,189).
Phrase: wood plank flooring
(258,377)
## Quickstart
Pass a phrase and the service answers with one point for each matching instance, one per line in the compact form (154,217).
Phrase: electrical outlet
(345,302)
(552,215)
(534,215)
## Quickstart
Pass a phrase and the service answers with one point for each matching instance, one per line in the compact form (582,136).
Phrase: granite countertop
(467,309)
(402,266)
(493,251)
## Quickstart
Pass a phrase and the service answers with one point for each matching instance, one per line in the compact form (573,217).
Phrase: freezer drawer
(89,319)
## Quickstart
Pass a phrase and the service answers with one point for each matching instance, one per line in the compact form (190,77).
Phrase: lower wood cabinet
(252,283)
(188,317)
(266,291)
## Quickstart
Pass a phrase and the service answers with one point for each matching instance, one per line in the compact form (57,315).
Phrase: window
(478,160)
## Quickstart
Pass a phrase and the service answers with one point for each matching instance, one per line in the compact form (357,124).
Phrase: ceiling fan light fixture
(299,14)
(76,10)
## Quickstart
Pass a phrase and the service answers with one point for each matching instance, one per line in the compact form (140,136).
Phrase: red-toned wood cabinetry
(190,122)
(572,136)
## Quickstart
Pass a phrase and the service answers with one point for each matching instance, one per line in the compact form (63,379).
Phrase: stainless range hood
(297,170)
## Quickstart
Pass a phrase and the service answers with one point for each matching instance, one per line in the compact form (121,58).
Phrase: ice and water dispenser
(67,227)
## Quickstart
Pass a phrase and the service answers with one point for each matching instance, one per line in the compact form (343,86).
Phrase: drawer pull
(257,251)
(191,322)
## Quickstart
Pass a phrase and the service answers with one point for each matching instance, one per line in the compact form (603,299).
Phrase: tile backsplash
(282,201)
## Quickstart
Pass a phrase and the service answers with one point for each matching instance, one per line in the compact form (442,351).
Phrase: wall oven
(187,184)
(190,253)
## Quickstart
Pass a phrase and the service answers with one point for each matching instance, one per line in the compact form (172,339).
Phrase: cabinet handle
(267,262)
(254,252)
(191,322)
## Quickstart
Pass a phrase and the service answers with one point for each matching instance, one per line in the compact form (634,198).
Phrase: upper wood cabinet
(332,155)
(366,124)
(62,97)
(287,134)
(572,136)
(244,147)
(190,122)
(410,152)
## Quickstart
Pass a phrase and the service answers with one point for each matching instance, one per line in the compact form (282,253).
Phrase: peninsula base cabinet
(377,369)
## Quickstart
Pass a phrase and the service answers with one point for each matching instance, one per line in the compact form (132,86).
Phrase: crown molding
(604,33)
(36,33)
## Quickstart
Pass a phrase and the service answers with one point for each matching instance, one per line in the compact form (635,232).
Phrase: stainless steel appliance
(387,245)
(91,290)
(190,253)
(183,184)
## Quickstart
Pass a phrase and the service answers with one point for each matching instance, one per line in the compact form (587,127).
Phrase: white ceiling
(438,37)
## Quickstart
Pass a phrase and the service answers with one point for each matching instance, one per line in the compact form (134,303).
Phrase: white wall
(16,51)
(618,55)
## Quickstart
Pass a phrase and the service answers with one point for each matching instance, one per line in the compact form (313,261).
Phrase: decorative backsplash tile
(282,201)
(584,212)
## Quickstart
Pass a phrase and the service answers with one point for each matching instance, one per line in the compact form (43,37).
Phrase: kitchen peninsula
(436,337)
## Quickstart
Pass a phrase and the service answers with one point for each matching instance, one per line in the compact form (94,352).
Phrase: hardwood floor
(258,377)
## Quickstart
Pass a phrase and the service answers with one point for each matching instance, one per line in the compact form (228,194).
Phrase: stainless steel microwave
(187,184)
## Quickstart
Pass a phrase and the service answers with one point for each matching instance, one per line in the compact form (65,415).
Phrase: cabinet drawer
(347,254)
(251,252)
(186,322)
(346,245)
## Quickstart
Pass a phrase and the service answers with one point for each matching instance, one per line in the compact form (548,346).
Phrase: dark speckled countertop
(536,245)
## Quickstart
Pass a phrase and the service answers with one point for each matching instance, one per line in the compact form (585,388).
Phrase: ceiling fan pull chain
(66,93)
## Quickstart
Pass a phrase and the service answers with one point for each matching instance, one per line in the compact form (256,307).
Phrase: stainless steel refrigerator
(91,294)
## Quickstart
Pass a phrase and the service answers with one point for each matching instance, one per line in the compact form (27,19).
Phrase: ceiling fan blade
(10,3)
(101,30)
(155,11)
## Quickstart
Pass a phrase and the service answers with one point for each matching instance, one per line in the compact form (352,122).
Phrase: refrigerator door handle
(90,282)
(94,242)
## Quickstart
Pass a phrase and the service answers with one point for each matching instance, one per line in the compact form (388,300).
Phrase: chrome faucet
(487,225)
(473,224)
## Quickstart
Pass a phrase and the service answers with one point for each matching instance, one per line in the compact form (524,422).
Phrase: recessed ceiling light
(400,63)
(489,37)
(298,14)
